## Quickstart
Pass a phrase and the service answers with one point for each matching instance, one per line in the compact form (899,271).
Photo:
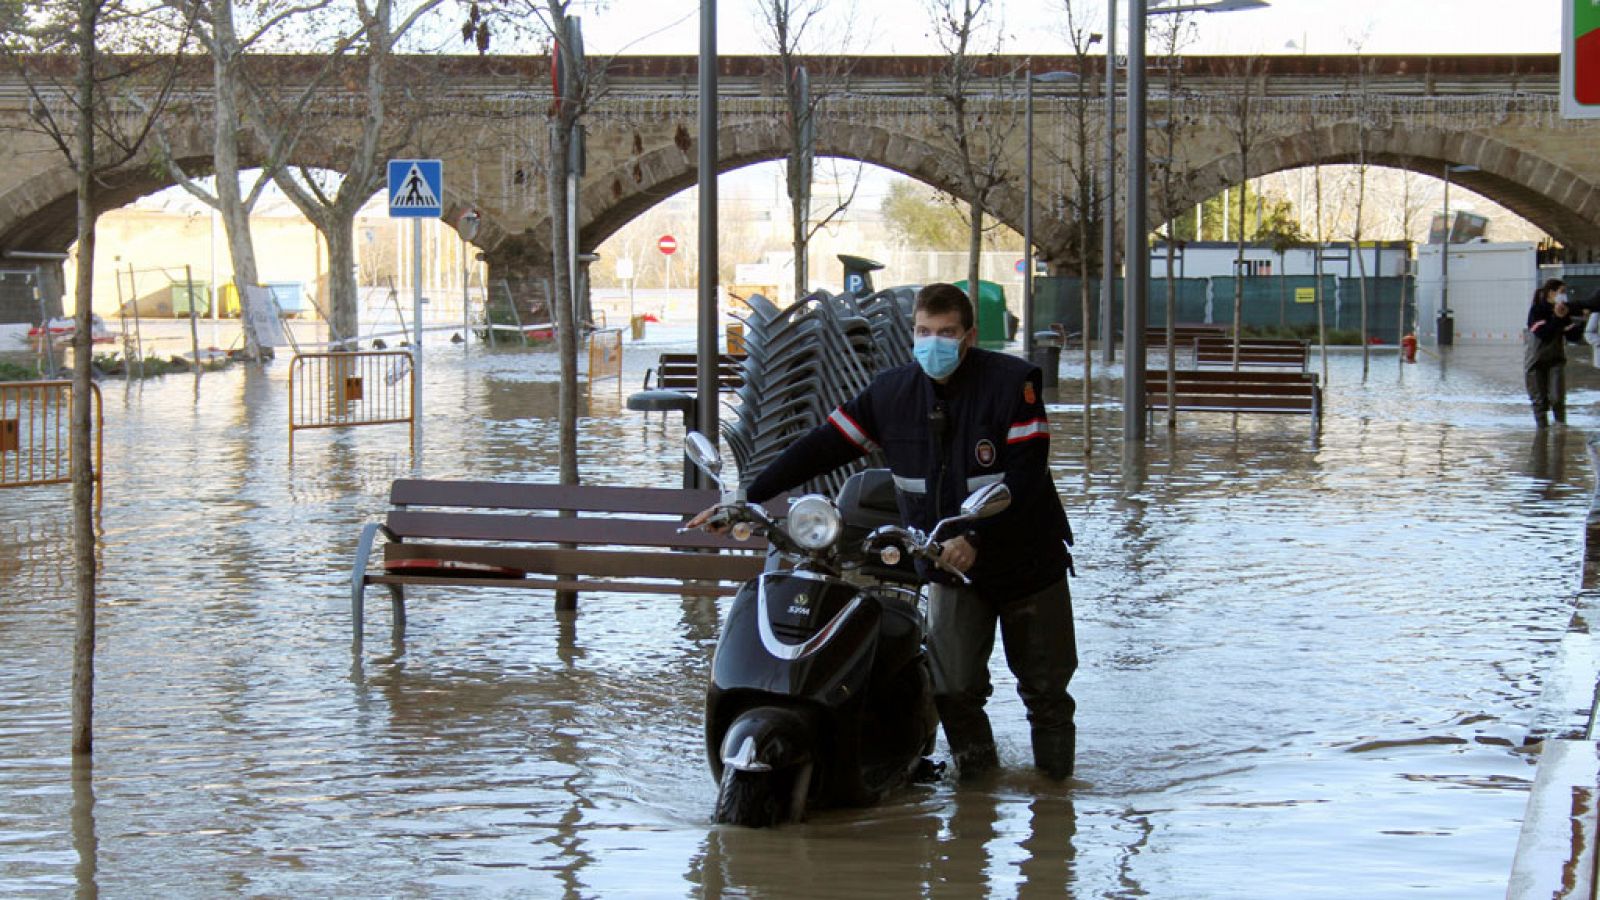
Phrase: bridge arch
(612,198)
(1557,200)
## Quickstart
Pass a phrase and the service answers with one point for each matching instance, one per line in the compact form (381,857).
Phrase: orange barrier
(35,424)
(338,390)
(605,355)
(736,337)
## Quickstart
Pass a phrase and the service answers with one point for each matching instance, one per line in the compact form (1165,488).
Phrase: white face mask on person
(938,356)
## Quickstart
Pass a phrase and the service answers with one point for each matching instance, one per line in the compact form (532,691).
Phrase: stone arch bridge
(487,119)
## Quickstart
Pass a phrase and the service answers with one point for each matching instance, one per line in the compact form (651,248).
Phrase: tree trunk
(83,536)
(1322,318)
(344,296)
(235,216)
(974,250)
(1361,265)
(1238,267)
(1172,335)
(799,220)
(561,303)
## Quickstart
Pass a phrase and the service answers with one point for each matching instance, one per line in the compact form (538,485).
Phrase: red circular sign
(668,244)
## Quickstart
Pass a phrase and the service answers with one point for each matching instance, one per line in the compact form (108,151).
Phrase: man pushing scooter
(956,420)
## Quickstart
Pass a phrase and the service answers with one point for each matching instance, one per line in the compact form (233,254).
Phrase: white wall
(1212,259)
(1491,286)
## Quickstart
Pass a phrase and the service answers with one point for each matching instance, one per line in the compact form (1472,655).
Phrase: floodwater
(1307,668)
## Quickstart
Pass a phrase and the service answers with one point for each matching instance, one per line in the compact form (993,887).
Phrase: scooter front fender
(765,739)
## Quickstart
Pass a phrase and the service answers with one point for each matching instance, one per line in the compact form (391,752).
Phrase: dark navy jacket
(985,424)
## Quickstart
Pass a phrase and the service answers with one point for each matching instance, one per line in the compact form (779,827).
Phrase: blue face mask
(937,355)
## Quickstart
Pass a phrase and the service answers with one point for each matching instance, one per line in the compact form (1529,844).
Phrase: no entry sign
(668,244)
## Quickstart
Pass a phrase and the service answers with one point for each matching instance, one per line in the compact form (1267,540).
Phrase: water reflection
(85,839)
(1328,649)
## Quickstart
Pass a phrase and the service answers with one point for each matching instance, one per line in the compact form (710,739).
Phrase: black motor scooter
(820,690)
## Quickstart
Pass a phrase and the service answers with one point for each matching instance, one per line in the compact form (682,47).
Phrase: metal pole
(706,345)
(1108,252)
(1027,227)
(466,303)
(1444,265)
(1136,255)
(416,326)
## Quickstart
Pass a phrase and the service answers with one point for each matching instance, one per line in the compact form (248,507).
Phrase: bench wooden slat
(687,589)
(1248,404)
(1207,375)
(576,498)
(462,526)
(604,563)
(1228,390)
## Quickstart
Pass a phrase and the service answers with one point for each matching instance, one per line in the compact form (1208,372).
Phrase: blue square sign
(416,188)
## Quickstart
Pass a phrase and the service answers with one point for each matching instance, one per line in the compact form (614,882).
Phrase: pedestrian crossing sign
(416,188)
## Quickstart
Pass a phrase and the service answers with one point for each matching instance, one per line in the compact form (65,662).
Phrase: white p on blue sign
(416,188)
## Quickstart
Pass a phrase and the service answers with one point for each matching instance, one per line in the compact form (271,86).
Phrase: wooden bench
(1183,333)
(1254,353)
(546,537)
(680,372)
(1236,392)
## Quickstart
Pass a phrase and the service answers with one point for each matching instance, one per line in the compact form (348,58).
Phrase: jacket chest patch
(984,452)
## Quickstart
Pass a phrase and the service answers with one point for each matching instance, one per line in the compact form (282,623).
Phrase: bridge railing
(35,429)
(340,390)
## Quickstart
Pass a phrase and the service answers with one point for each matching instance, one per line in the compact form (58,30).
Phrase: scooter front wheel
(761,799)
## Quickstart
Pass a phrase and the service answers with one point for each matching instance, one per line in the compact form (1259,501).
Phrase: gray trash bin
(1046,354)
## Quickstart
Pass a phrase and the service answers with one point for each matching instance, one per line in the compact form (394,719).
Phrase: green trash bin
(183,300)
(994,320)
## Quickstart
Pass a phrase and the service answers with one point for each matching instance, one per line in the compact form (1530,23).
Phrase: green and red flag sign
(1580,59)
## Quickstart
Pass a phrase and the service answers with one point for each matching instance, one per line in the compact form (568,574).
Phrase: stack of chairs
(803,362)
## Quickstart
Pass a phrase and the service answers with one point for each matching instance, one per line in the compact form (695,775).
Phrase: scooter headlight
(814,523)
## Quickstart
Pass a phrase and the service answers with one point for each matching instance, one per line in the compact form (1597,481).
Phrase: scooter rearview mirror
(986,501)
(703,453)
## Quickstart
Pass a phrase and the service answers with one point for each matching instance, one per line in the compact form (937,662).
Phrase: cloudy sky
(1320,26)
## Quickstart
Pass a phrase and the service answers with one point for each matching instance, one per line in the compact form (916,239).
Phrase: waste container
(1447,329)
(990,307)
(1046,354)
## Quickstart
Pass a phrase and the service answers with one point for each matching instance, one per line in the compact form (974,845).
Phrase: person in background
(1550,324)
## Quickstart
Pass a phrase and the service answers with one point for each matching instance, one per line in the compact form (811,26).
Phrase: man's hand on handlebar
(713,519)
(958,554)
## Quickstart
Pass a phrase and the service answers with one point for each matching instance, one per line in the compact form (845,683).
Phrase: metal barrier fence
(338,390)
(35,425)
(605,355)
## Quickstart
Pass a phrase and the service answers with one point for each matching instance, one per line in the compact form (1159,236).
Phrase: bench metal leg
(397,610)
(358,580)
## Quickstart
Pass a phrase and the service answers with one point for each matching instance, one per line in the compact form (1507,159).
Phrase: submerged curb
(1556,853)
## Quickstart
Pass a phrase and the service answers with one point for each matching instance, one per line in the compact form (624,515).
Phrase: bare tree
(1363,141)
(1173,33)
(332,204)
(97,126)
(219,31)
(1246,76)
(806,84)
(1082,167)
(980,135)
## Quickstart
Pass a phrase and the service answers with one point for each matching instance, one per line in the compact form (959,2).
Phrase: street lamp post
(1108,249)
(1027,208)
(1446,325)
(1136,253)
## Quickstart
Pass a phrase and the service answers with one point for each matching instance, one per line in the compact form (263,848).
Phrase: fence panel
(35,425)
(338,390)
(605,355)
